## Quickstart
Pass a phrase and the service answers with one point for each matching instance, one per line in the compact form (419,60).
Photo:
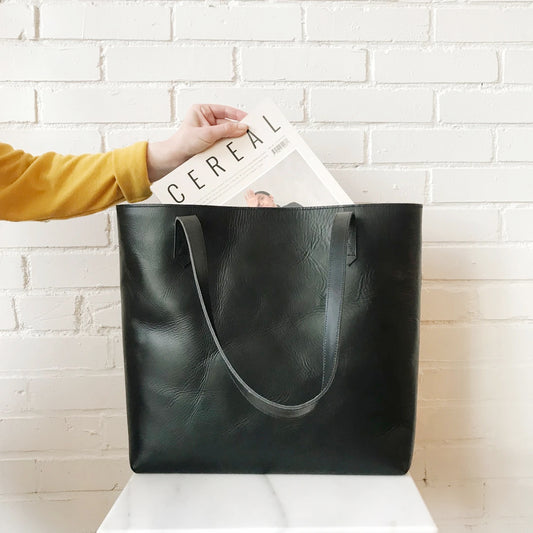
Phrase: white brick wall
(482,184)
(459,65)
(21,106)
(371,105)
(49,63)
(423,101)
(42,313)
(514,144)
(16,21)
(518,66)
(500,106)
(99,104)
(85,21)
(79,232)
(350,22)
(240,22)
(12,271)
(431,145)
(167,63)
(462,24)
(7,314)
(303,63)
(77,270)
(38,140)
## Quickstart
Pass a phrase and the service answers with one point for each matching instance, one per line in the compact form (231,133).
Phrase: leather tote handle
(342,250)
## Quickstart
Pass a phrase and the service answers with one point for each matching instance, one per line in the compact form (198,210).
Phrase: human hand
(202,126)
(251,198)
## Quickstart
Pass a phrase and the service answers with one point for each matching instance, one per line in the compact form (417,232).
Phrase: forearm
(63,186)
(161,158)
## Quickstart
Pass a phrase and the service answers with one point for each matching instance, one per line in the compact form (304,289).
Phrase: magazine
(268,166)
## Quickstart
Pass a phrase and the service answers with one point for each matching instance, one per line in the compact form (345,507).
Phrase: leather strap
(342,249)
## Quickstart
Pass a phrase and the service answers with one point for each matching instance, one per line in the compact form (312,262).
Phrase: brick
(518,224)
(417,470)
(515,144)
(47,312)
(105,309)
(77,392)
(491,262)
(13,394)
(497,525)
(303,64)
(469,342)
(454,463)
(40,140)
(238,22)
(117,138)
(478,382)
(518,66)
(76,20)
(53,353)
(482,107)
(482,185)
(435,65)
(336,146)
(47,433)
(368,186)
(367,23)
(505,497)
(371,105)
(17,476)
(116,351)
(57,513)
(50,63)
(492,420)
(18,104)
(164,63)
(11,272)
(7,314)
(424,145)
(113,233)
(16,21)
(97,104)
(506,301)
(462,24)
(88,473)
(84,231)
(289,100)
(115,431)
(460,500)
(77,270)
(452,422)
(444,224)
(438,303)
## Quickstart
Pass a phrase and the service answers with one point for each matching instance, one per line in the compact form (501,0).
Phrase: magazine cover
(268,166)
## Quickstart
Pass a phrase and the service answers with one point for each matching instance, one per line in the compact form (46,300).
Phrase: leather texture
(271,340)
(338,256)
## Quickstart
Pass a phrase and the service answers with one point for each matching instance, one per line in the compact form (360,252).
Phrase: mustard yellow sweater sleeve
(62,186)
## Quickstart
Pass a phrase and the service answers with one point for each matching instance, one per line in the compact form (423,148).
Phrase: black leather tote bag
(271,340)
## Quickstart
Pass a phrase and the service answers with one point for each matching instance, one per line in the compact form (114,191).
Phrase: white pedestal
(274,503)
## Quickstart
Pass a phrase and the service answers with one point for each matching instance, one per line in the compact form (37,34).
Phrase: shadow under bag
(271,340)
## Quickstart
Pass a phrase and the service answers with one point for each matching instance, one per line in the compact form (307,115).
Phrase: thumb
(228,129)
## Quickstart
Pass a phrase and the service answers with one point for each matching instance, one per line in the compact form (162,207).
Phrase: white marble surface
(230,503)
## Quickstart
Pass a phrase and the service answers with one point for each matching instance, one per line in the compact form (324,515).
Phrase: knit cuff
(131,173)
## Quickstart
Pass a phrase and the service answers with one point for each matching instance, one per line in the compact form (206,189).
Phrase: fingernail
(243,127)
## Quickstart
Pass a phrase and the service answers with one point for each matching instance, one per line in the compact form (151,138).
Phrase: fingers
(224,121)
(227,129)
(224,111)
